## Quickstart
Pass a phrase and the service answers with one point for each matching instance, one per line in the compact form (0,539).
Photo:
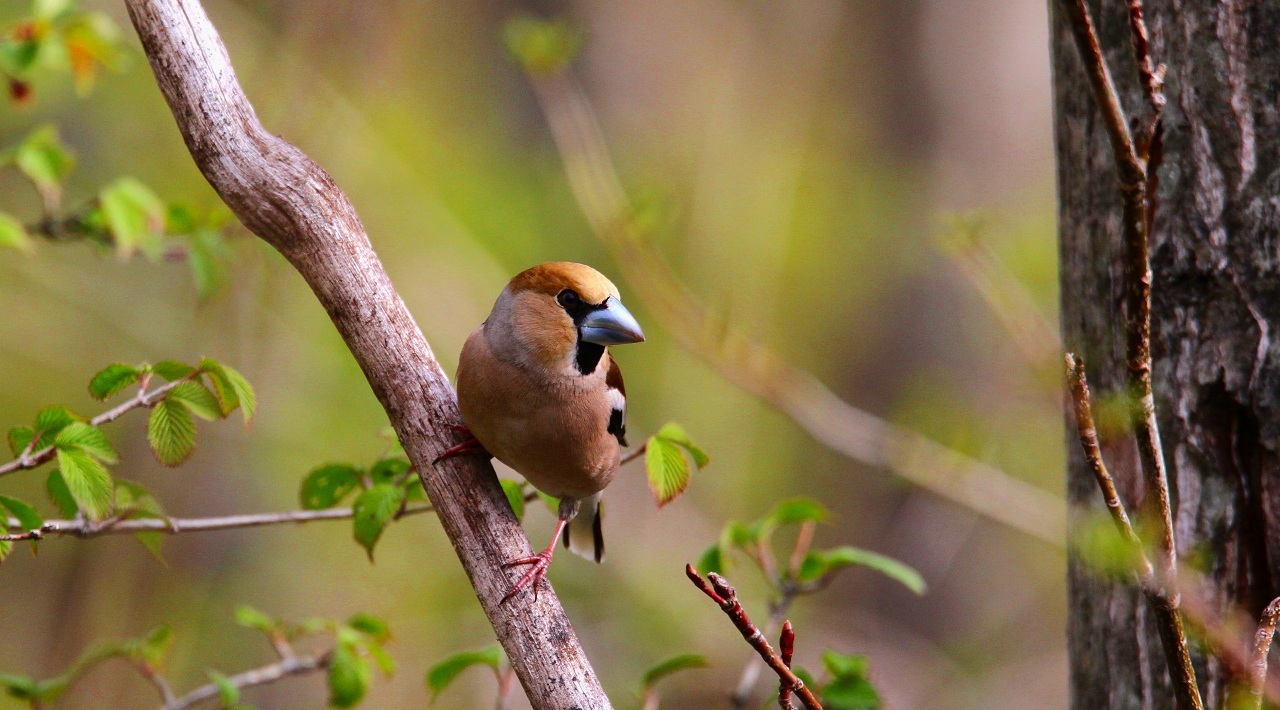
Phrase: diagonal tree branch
(285,667)
(282,196)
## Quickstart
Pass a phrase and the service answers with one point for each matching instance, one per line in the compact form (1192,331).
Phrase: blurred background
(805,161)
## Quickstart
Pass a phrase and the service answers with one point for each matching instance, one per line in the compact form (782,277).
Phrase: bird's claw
(472,445)
(537,573)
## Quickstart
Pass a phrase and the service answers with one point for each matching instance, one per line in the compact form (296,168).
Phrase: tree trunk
(1215,247)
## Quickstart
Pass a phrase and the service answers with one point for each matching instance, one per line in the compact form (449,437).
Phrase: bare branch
(724,595)
(115,526)
(1261,647)
(259,676)
(787,644)
(757,369)
(32,459)
(283,197)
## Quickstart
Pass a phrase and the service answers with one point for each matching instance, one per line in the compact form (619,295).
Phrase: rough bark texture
(289,201)
(1215,256)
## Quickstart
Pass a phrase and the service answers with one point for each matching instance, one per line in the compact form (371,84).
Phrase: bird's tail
(584,535)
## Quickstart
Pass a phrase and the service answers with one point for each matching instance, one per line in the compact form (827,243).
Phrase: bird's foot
(472,445)
(537,573)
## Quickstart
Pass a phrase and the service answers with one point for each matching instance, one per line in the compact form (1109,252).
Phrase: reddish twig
(720,592)
(787,644)
(1261,647)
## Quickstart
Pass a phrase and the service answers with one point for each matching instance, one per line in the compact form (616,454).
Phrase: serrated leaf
(26,515)
(442,674)
(228,693)
(828,561)
(135,217)
(172,370)
(111,379)
(232,389)
(51,420)
(373,509)
(672,665)
(197,398)
(541,46)
(251,618)
(515,497)
(19,437)
(45,161)
(676,434)
(87,482)
(371,626)
(87,438)
(326,486)
(13,234)
(668,471)
(388,470)
(349,677)
(712,560)
(798,510)
(171,431)
(56,486)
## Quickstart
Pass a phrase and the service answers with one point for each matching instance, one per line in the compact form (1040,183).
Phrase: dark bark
(1215,250)
(289,201)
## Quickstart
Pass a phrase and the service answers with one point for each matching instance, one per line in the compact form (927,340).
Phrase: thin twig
(1261,647)
(633,455)
(751,671)
(143,398)
(724,595)
(787,644)
(757,369)
(258,676)
(115,526)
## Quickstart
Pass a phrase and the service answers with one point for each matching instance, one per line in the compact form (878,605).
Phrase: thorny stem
(724,595)
(143,398)
(1134,185)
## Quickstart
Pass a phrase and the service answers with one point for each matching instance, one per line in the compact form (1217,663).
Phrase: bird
(539,390)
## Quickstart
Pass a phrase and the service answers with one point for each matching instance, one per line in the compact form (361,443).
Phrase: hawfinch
(539,391)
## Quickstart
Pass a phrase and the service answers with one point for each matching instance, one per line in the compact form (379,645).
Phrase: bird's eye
(567,298)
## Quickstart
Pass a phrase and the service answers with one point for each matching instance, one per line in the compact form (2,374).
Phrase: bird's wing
(617,402)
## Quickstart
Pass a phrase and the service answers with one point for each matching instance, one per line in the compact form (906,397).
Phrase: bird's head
(560,315)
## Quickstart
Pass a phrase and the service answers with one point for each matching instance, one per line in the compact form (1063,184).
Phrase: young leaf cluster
(81,483)
(57,36)
(146,653)
(380,491)
(666,461)
(845,683)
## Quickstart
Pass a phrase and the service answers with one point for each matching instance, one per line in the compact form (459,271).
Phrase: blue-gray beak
(611,325)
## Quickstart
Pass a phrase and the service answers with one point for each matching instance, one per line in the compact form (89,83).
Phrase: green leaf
(26,515)
(228,693)
(87,481)
(13,234)
(6,546)
(112,379)
(198,399)
(541,46)
(385,662)
(251,618)
(388,470)
(553,504)
(326,486)
(135,217)
(232,389)
(171,431)
(137,499)
(668,471)
(676,434)
(515,497)
(799,510)
(349,677)
(172,370)
(50,9)
(85,437)
(154,647)
(50,421)
(19,437)
(373,510)
(849,688)
(371,626)
(670,666)
(56,487)
(442,674)
(712,560)
(18,686)
(44,159)
(819,564)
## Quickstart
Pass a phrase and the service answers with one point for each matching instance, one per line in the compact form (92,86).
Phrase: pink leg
(540,562)
(470,446)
